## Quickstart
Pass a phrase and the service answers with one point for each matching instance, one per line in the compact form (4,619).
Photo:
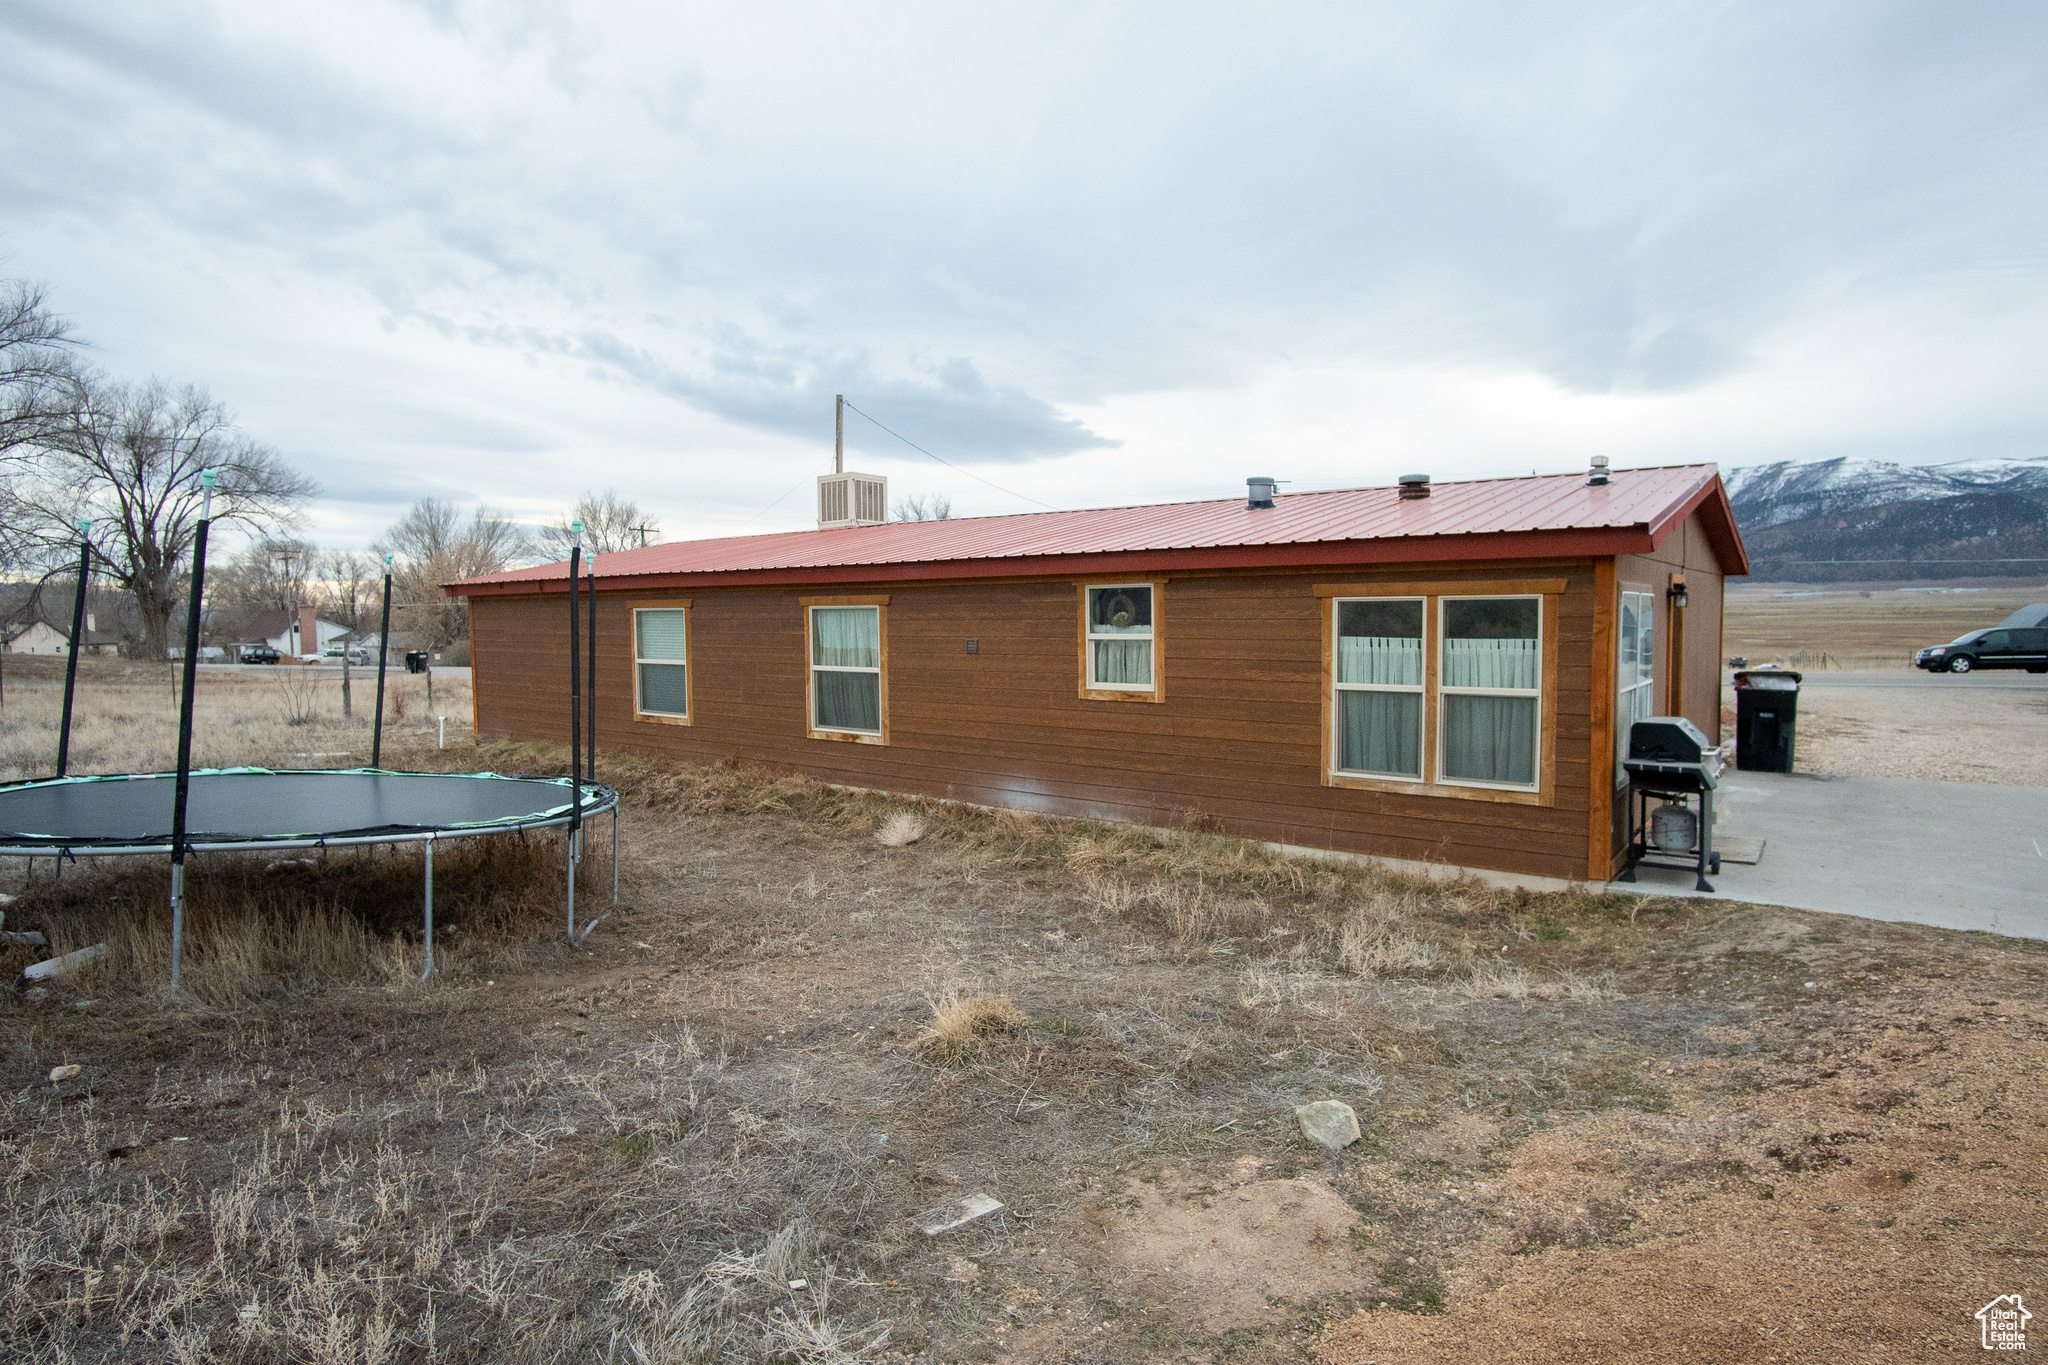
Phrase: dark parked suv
(259,654)
(1999,647)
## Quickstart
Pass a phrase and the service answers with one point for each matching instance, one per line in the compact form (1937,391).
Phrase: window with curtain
(1378,678)
(1490,690)
(1635,697)
(846,669)
(661,660)
(1119,642)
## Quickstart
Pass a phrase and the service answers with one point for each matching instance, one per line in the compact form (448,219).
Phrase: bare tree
(611,523)
(349,585)
(130,457)
(35,361)
(435,546)
(268,575)
(922,507)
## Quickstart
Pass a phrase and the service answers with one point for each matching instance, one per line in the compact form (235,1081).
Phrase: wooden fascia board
(1480,548)
(1718,519)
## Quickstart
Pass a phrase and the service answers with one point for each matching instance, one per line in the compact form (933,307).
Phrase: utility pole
(644,532)
(839,434)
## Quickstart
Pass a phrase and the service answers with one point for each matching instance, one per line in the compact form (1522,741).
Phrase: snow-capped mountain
(1842,520)
(1768,494)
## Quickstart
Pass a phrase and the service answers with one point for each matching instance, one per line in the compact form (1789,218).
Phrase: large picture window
(1491,689)
(1635,673)
(846,670)
(661,663)
(1379,686)
(1442,689)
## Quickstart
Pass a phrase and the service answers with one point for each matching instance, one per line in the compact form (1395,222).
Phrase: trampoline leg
(177,920)
(572,888)
(428,970)
(615,855)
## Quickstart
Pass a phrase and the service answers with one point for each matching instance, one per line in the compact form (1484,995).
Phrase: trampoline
(220,809)
(263,809)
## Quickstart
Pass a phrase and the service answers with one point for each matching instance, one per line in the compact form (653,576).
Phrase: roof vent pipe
(1414,486)
(1598,477)
(1260,494)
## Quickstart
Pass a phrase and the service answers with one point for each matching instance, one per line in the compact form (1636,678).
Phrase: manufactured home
(1423,673)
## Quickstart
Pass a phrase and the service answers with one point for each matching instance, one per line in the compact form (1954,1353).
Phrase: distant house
(43,637)
(304,635)
(1433,675)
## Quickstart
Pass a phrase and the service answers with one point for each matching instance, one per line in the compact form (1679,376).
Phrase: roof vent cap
(1414,486)
(1260,493)
(1598,477)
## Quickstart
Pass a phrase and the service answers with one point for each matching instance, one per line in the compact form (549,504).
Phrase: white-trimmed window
(1119,641)
(1634,676)
(846,670)
(1490,691)
(1378,677)
(661,662)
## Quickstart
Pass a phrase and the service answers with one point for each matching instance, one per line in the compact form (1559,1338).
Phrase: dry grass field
(1859,626)
(125,716)
(1595,1127)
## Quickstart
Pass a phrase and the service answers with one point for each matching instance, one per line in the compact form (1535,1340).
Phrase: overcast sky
(1091,253)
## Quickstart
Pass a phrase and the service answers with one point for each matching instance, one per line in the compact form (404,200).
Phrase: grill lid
(1667,739)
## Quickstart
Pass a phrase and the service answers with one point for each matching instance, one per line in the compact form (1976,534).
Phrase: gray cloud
(980,225)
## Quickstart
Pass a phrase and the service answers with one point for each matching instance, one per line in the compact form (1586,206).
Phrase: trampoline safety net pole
(575,720)
(77,635)
(590,678)
(383,657)
(207,479)
(428,970)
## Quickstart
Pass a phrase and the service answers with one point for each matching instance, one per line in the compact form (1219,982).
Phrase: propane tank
(1674,828)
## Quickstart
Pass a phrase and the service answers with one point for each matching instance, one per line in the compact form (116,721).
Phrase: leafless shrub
(298,696)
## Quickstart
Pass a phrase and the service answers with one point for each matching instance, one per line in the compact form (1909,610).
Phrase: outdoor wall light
(1676,592)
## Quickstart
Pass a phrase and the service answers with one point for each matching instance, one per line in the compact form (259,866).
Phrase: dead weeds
(703,1133)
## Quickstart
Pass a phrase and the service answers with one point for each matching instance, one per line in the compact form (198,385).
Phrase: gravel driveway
(1979,727)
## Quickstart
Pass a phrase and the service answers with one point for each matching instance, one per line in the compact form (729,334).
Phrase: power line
(773,505)
(954,467)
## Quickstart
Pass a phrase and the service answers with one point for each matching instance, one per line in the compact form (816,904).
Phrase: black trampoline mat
(255,806)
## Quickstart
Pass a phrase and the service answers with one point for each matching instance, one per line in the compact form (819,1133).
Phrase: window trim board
(811,731)
(1157,692)
(634,608)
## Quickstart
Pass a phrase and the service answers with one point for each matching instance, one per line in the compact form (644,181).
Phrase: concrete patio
(1959,855)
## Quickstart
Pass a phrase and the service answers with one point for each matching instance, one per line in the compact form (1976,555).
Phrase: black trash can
(1766,719)
(416,661)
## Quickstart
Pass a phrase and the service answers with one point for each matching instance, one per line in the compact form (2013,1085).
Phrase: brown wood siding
(1237,738)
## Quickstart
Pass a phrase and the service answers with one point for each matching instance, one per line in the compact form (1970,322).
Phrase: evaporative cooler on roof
(852,500)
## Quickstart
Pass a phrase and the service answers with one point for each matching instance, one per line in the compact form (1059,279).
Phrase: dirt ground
(1595,1128)
(1954,730)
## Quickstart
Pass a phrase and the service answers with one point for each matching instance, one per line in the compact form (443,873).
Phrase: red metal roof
(1555,514)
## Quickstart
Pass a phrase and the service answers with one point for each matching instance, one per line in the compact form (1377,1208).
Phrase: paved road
(1961,855)
(330,670)
(2002,680)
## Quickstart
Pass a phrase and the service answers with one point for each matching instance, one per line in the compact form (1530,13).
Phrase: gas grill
(1670,764)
